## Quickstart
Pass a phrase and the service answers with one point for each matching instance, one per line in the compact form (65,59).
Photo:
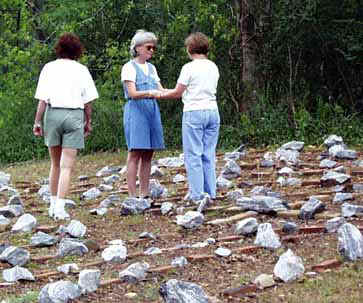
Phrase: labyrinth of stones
(279,216)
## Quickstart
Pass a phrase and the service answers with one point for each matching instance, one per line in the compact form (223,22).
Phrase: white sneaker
(51,207)
(59,211)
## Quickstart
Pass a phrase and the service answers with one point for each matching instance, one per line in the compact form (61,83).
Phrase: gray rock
(135,272)
(310,208)
(335,149)
(91,194)
(156,172)
(204,203)
(333,225)
(25,223)
(223,252)
(17,273)
(178,178)
(341,197)
(156,189)
(290,157)
(11,211)
(357,187)
(134,206)
(246,227)
(235,155)
(111,179)
(192,219)
(15,256)
(267,163)
(115,254)
(333,140)
(346,154)
(166,207)
(147,235)
(234,195)
(71,247)
(44,191)
(327,163)
(89,280)
(179,262)
(68,268)
(76,229)
(9,191)
(41,239)
(290,228)
(289,267)
(286,171)
(3,246)
(4,223)
(153,251)
(223,183)
(175,291)
(100,211)
(108,170)
(200,245)
(358,163)
(171,162)
(264,281)
(333,178)
(4,179)
(349,210)
(259,191)
(15,200)
(350,242)
(266,237)
(105,188)
(231,170)
(262,204)
(340,169)
(293,145)
(59,292)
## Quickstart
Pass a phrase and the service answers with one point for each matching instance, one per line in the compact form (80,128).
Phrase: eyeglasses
(150,47)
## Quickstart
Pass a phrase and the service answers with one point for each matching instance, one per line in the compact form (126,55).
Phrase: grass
(29,297)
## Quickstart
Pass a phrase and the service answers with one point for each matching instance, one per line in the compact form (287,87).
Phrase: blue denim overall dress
(142,121)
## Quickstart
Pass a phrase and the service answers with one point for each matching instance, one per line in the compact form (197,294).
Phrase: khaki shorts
(64,127)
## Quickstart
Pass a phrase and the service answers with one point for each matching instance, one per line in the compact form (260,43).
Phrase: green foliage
(307,51)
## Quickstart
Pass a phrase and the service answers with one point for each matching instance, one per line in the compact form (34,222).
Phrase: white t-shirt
(200,76)
(128,72)
(66,83)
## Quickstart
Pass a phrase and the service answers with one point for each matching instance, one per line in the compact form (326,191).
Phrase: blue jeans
(200,136)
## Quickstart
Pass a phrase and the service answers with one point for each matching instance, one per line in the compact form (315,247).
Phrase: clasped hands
(154,93)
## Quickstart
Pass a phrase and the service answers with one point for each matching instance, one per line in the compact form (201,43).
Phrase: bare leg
(145,169)
(66,165)
(55,153)
(133,159)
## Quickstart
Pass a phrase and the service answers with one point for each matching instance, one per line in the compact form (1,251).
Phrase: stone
(176,291)
(89,280)
(157,190)
(105,188)
(333,225)
(17,273)
(327,163)
(191,220)
(109,180)
(267,163)
(333,140)
(76,229)
(341,197)
(147,235)
(68,268)
(115,254)
(59,292)
(135,272)
(91,194)
(134,206)
(289,228)
(350,242)
(264,281)
(166,207)
(71,247)
(100,211)
(246,227)
(15,200)
(4,178)
(15,256)
(289,157)
(310,208)
(349,210)
(223,183)
(266,237)
(11,211)
(223,252)
(289,267)
(333,178)
(41,239)
(108,170)
(293,145)
(179,262)
(152,251)
(4,223)
(231,170)
(262,204)
(25,223)
(156,172)
(178,178)
(234,195)
(171,162)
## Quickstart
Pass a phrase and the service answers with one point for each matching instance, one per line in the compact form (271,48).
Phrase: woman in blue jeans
(142,122)
(197,85)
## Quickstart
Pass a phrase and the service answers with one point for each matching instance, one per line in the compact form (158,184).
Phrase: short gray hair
(140,38)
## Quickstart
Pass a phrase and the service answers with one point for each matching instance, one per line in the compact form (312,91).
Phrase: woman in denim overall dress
(142,122)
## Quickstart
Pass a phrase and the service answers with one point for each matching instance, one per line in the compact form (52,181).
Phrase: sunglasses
(150,47)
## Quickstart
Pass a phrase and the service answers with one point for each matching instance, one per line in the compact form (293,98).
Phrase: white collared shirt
(66,83)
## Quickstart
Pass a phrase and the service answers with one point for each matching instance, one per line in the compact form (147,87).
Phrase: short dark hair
(69,46)
(197,43)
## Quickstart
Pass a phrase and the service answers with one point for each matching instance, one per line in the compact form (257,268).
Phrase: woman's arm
(175,93)
(37,128)
(134,94)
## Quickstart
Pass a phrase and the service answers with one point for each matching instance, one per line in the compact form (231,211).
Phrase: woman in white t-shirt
(197,85)
(65,91)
